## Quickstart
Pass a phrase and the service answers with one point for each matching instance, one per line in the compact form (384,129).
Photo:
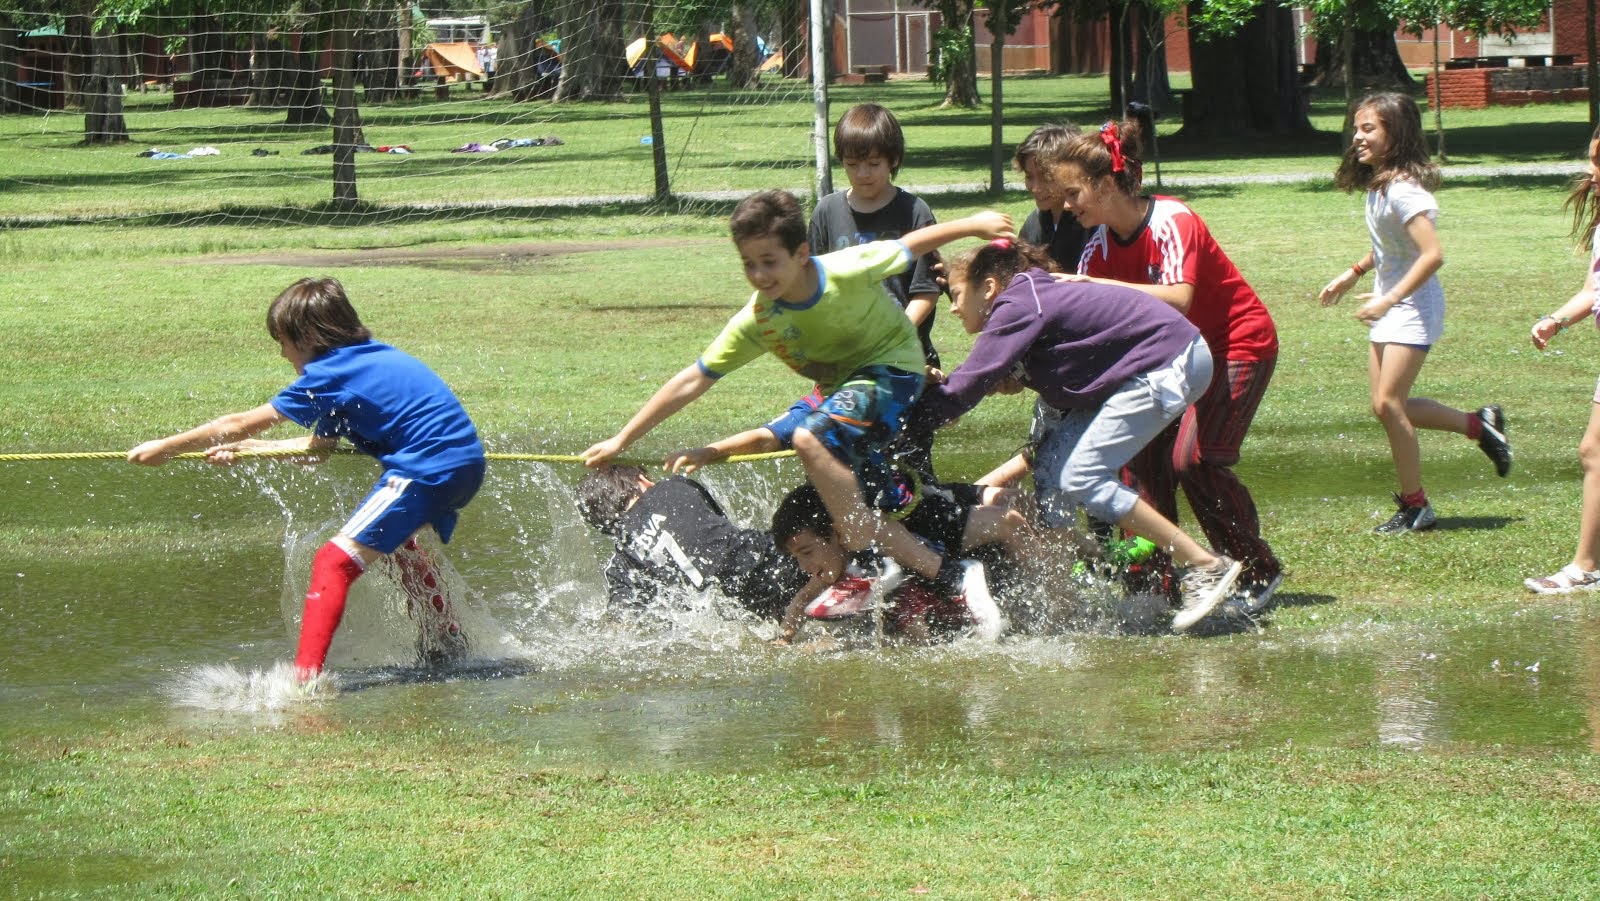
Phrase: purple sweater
(1074,342)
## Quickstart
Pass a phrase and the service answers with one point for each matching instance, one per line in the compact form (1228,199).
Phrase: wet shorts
(940,515)
(399,505)
(857,421)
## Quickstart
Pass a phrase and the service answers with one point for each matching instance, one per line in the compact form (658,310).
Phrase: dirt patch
(452,256)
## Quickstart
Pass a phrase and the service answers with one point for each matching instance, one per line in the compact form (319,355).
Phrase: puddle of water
(184,576)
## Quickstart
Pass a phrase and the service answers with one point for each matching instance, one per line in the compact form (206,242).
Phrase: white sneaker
(1203,589)
(987,623)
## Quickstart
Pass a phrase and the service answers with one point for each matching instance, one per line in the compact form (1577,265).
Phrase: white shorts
(1415,321)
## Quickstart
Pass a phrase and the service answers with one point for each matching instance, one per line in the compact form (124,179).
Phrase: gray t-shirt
(835,226)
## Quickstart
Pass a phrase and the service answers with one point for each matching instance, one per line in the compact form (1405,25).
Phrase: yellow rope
(200,455)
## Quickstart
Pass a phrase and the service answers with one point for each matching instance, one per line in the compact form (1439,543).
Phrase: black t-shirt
(1060,234)
(835,226)
(677,537)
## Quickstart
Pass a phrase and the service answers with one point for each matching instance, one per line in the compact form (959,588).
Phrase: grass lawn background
(128,328)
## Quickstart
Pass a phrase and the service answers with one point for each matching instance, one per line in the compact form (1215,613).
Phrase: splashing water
(228,689)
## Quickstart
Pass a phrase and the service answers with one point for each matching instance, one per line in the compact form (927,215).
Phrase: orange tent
(452,61)
(671,50)
(724,39)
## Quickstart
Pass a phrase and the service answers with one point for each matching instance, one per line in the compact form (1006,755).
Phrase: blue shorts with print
(399,505)
(857,421)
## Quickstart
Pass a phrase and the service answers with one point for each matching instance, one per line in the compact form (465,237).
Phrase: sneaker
(846,597)
(987,623)
(1409,519)
(1571,578)
(1258,595)
(1493,441)
(1203,588)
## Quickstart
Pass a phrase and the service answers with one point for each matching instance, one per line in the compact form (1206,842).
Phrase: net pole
(819,91)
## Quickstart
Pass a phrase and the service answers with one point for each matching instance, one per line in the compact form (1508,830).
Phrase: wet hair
(314,315)
(1000,260)
(1044,141)
(1407,155)
(1584,202)
(1092,155)
(776,214)
(866,129)
(606,493)
(801,510)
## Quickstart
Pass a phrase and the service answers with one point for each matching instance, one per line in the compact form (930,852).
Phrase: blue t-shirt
(389,404)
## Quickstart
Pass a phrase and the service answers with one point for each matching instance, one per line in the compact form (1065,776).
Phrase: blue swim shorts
(399,505)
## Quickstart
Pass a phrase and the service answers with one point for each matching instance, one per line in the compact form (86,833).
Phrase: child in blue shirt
(391,406)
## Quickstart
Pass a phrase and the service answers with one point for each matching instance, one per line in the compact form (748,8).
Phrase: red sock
(1474,427)
(1417,499)
(333,571)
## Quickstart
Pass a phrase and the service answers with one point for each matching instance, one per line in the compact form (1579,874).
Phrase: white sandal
(1569,579)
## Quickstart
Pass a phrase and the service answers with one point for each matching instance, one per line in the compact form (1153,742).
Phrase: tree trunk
(998,27)
(958,55)
(792,18)
(1150,84)
(347,132)
(305,94)
(1117,74)
(10,41)
(743,70)
(1247,84)
(593,56)
(103,122)
(1376,62)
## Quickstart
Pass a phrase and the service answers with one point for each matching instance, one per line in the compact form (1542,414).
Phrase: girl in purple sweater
(1134,360)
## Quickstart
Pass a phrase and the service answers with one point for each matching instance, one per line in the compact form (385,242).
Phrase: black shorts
(941,515)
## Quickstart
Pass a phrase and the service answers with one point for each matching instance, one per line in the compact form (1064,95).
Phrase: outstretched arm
(677,393)
(1576,308)
(755,441)
(232,427)
(988,224)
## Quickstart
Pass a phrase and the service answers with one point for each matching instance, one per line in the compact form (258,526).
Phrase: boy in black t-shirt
(1049,225)
(672,535)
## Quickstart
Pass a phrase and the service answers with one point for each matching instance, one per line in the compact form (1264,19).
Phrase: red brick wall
(1475,89)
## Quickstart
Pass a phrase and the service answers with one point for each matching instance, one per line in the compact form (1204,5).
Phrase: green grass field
(124,329)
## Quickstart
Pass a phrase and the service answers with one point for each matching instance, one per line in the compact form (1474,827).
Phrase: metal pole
(820,36)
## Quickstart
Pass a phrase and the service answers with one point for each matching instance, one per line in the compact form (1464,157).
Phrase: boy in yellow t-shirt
(828,319)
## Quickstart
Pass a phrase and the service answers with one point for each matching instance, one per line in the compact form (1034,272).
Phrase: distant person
(829,320)
(1158,245)
(1113,349)
(1388,159)
(391,406)
(1049,225)
(1583,573)
(673,536)
(869,143)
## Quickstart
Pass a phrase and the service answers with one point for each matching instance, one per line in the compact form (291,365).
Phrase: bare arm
(794,615)
(1178,296)
(1006,474)
(754,441)
(679,391)
(232,427)
(988,224)
(920,307)
(1576,308)
(1344,281)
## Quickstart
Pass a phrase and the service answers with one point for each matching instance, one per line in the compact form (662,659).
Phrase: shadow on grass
(1474,523)
(473,671)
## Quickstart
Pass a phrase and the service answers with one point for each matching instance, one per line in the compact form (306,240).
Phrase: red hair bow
(1001,243)
(1109,137)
